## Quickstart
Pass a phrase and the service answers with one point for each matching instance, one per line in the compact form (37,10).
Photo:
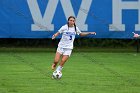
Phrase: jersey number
(70,38)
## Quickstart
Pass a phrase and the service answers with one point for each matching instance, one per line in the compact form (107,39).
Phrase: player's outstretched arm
(87,33)
(55,35)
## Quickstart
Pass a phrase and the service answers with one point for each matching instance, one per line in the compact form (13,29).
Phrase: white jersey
(68,36)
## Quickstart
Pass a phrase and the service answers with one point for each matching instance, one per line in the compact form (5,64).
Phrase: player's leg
(63,61)
(65,56)
(57,57)
(56,60)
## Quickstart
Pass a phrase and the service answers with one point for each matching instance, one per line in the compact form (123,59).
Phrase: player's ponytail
(75,28)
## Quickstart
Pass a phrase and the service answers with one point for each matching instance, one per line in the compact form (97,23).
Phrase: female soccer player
(65,45)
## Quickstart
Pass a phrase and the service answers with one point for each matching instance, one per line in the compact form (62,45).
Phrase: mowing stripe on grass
(92,59)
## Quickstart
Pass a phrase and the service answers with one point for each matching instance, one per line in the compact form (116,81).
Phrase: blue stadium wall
(43,18)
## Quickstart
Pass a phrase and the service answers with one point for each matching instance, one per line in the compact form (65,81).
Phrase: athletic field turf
(85,72)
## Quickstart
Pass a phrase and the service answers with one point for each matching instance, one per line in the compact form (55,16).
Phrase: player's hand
(53,37)
(93,33)
(136,35)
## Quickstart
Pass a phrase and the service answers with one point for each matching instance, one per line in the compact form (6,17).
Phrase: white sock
(59,68)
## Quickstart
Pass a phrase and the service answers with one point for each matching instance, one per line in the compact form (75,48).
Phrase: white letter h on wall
(118,6)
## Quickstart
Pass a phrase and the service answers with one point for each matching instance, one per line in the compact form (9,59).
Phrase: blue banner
(43,18)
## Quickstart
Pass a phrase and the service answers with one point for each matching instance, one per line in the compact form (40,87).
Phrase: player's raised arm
(87,33)
(55,35)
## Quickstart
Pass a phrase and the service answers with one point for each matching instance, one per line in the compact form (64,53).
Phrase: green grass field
(84,72)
